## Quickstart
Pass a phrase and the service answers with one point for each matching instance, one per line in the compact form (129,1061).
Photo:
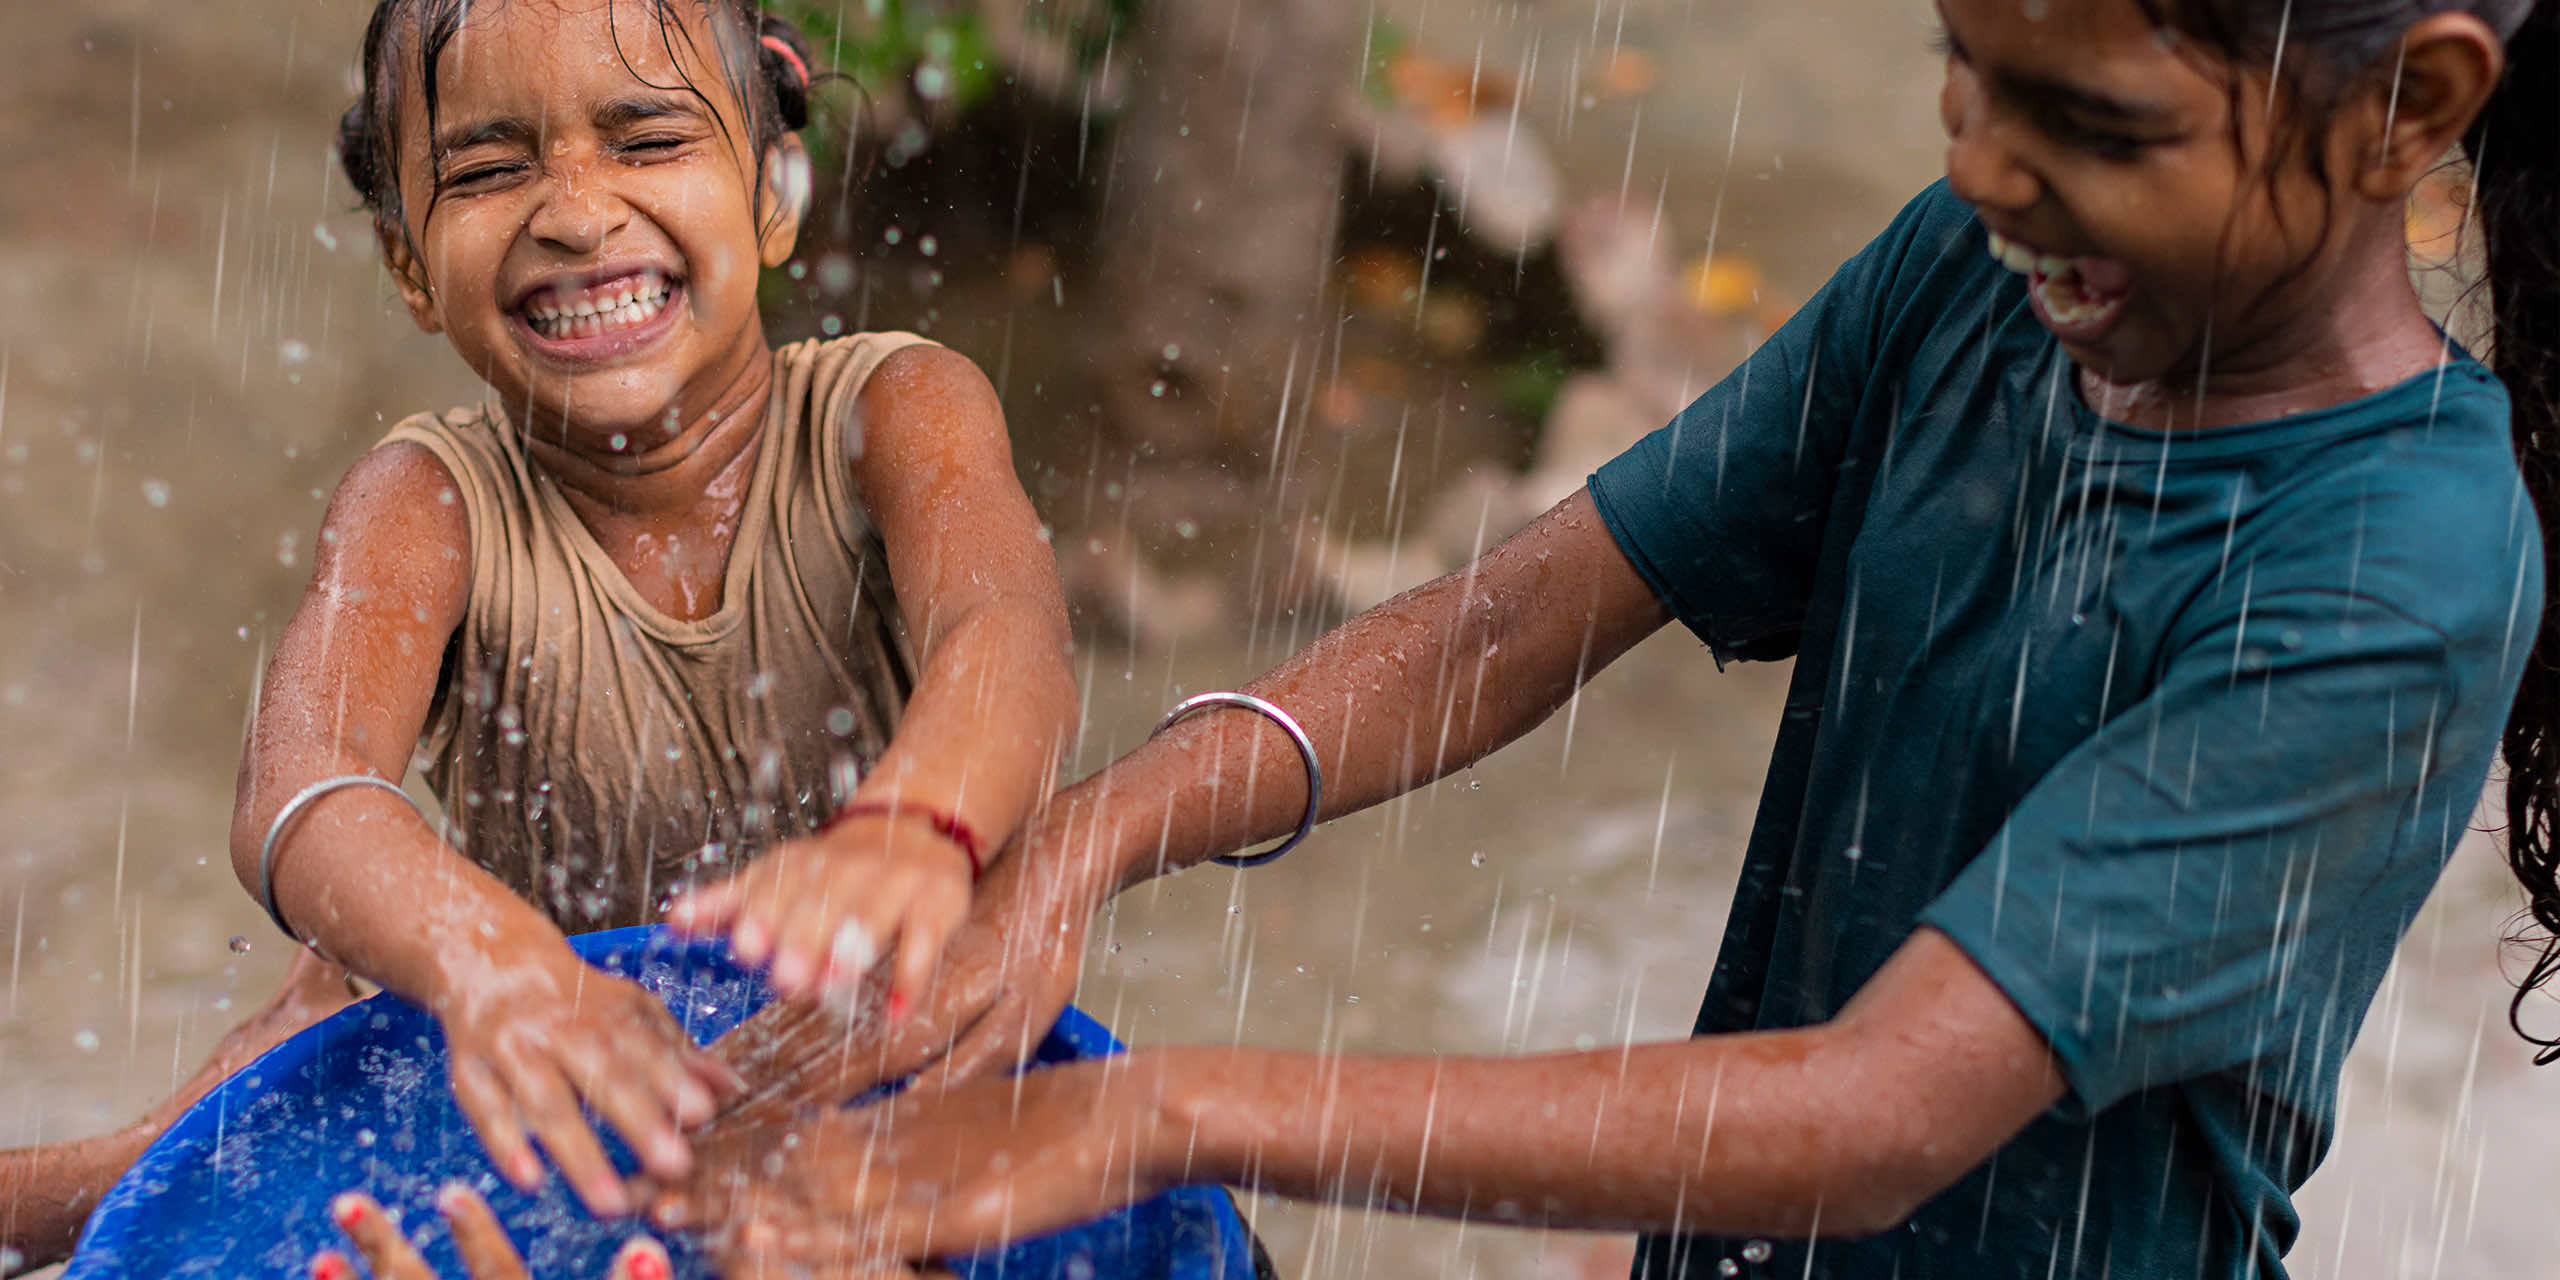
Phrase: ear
(410,278)
(782,200)
(2448,63)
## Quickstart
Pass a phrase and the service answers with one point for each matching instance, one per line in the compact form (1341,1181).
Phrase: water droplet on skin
(1156,388)
(927,245)
(239,945)
(620,442)
(1172,352)
(1475,784)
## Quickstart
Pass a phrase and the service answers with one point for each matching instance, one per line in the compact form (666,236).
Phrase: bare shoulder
(398,514)
(927,380)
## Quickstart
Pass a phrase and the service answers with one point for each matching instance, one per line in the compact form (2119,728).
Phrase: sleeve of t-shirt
(2179,895)
(1723,509)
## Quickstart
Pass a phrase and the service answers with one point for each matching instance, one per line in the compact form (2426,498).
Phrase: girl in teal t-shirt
(2159,580)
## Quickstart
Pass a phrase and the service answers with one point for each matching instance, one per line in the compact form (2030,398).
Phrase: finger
(386,1251)
(704,909)
(551,1111)
(927,927)
(800,945)
(491,1109)
(714,1073)
(642,1258)
(329,1264)
(852,953)
(486,1252)
(628,1103)
(998,1040)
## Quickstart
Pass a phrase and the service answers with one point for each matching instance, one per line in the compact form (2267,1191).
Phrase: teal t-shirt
(2171,733)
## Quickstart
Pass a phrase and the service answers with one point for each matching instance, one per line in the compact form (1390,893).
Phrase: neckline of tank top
(754,526)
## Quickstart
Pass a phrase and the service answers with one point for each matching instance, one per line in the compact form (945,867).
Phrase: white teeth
(587,317)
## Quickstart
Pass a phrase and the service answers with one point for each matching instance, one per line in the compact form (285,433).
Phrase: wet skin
(1838,1128)
(562,176)
(2257,288)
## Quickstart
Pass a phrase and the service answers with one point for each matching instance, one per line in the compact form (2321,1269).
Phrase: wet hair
(2319,48)
(408,38)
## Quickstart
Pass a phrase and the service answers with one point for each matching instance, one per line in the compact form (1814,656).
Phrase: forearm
(1770,1134)
(46,1192)
(360,874)
(981,734)
(1418,687)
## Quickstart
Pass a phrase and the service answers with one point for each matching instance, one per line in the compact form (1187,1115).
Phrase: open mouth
(2077,298)
(624,307)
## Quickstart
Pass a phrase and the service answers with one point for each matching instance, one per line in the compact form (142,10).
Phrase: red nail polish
(646,1265)
(897,1007)
(348,1211)
(329,1266)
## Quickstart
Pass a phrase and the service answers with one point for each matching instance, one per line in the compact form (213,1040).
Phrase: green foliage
(939,49)
(1529,386)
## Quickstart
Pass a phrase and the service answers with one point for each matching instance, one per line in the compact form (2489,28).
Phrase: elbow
(1886,1176)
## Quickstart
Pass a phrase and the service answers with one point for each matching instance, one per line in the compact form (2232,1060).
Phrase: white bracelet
(1306,755)
(292,809)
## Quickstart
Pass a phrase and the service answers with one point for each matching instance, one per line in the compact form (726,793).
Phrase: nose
(1983,166)
(579,212)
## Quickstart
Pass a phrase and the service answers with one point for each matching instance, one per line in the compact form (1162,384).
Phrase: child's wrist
(949,825)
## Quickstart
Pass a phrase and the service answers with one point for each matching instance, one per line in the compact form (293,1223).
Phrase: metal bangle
(292,809)
(1306,755)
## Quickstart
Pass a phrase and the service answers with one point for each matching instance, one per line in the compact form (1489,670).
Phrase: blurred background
(1292,303)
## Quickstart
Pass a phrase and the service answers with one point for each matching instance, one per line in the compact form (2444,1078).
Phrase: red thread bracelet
(949,825)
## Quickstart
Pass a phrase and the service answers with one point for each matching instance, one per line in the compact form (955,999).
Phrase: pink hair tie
(789,55)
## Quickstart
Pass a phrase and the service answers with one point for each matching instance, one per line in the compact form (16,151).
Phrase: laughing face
(589,230)
(2126,174)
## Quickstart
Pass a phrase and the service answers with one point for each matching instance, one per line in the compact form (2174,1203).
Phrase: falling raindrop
(239,945)
(86,1040)
(156,492)
(1755,1251)
(1728,1267)
(1476,859)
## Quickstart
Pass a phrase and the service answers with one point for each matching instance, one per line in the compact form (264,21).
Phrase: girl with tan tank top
(668,604)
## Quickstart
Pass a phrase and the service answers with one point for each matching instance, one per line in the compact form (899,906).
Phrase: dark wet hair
(407,37)
(2319,48)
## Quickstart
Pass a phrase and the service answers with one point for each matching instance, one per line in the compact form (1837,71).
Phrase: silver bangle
(292,809)
(1306,755)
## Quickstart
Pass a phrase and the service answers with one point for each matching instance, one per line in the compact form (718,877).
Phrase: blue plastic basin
(240,1185)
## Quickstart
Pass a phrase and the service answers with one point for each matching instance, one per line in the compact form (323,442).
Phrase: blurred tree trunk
(1219,220)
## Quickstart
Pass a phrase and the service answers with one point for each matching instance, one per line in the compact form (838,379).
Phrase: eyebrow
(620,113)
(471,134)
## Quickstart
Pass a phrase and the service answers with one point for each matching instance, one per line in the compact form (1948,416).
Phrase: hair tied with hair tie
(791,56)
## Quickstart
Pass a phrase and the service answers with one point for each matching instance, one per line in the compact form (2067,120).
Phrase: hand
(530,1041)
(934,1172)
(824,910)
(1005,975)
(486,1252)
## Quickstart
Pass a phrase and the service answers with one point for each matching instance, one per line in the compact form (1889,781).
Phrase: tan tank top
(594,752)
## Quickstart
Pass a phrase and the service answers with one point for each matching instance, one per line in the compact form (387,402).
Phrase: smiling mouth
(2077,298)
(616,306)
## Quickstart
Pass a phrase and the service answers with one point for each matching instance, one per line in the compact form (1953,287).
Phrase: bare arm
(993,700)
(1839,1129)
(977,744)
(533,1031)
(1416,688)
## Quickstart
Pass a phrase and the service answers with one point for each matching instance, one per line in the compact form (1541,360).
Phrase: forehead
(2105,45)
(536,58)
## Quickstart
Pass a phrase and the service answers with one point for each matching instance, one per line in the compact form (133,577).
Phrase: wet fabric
(2171,734)
(594,752)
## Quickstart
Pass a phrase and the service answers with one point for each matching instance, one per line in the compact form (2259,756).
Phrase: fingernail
(645,1263)
(347,1210)
(791,970)
(682,912)
(748,940)
(451,1196)
(528,1170)
(329,1266)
